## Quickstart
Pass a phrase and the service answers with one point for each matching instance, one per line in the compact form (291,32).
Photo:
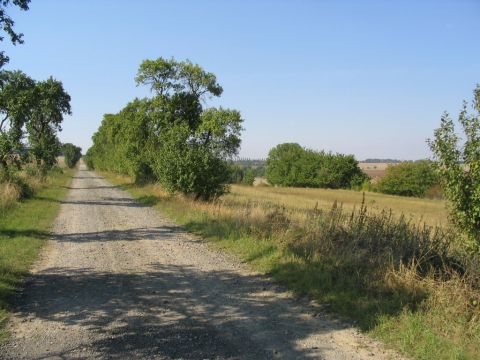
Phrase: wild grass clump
(21,184)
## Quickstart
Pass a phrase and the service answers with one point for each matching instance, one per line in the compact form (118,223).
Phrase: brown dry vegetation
(395,276)
(23,184)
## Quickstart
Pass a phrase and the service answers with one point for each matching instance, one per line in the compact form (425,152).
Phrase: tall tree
(17,98)
(193,143)
(52,103)
(7,23)
(171,137)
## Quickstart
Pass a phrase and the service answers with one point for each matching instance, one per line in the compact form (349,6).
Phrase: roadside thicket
(171,138)
(31,115)
(291,165)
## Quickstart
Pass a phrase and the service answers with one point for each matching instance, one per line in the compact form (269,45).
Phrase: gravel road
(118,281)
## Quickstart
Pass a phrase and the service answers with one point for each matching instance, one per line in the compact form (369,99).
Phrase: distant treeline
(250,162)
(387,161)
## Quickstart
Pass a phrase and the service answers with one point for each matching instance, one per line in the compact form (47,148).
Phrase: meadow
(430,211)
(393,276)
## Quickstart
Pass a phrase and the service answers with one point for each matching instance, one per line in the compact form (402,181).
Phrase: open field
(374,166)
(374,170)
(432,212)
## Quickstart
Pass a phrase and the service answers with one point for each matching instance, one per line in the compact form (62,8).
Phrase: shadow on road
(160,233)
(170,312)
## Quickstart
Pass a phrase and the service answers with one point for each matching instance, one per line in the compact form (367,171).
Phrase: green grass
(24,229)
(413,314)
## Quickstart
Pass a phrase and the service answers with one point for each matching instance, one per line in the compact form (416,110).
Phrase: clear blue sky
(370,78)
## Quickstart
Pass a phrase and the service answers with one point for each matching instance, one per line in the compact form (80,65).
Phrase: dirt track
(119,281)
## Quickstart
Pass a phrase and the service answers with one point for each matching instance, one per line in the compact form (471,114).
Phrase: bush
(408,179)
(458,168)
(291,165)
(191,170)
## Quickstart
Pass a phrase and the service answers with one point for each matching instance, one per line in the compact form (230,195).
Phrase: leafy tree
(6,23)
(283,166)
(72,154)
(458,165)
(408,179)
(171,138)
(17,98)
(176,78)
(52,103)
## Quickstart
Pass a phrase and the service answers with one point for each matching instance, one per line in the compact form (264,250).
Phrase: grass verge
(407,284)
(24,229)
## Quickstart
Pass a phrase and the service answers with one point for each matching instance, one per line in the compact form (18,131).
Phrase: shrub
(408,179)
(191,170)
(458,167)
(291,165)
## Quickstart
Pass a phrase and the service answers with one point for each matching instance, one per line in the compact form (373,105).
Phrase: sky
(369,78)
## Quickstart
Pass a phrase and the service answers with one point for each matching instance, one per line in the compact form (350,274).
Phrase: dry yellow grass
(432,212)
(408,308)
(419,210)
(9,194)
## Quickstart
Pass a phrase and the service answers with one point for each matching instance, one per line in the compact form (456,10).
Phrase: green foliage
(38,108)
(249,177)
(283,166)
(72,154)
(17,98)
(167,76)
(171,138)
(408,179)
(459,167)
(52,102)
(291,165)
(6,24)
